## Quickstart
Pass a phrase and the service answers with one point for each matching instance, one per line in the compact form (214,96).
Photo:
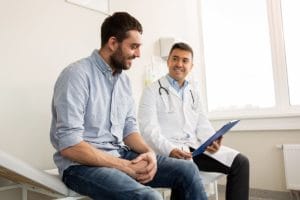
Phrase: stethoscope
(167,91)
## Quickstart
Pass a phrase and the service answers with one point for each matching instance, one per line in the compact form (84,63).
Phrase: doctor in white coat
(172,122)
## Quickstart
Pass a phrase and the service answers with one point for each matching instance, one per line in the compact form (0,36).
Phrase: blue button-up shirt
(90,104)
(179,89)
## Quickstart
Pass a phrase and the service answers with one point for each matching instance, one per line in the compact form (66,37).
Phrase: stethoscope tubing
(167,91)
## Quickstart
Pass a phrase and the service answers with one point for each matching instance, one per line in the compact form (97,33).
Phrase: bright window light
(237,55)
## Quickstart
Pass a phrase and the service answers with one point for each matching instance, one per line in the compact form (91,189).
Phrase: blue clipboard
(215,136)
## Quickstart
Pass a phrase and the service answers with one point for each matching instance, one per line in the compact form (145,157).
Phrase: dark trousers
(237,187)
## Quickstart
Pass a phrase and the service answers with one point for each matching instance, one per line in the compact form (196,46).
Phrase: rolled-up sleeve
(69,102)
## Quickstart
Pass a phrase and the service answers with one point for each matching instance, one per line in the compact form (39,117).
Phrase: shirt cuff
(68,140)
(128,130)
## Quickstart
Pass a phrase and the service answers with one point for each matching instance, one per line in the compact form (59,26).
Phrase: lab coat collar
(174,83)
(165,83)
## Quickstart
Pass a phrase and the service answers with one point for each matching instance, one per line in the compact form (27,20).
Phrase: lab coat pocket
(167,117)
(192,118)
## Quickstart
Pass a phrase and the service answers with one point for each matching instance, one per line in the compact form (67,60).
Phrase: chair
(29,178)
(210,181)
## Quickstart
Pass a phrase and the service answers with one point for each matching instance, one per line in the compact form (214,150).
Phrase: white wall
(39,38)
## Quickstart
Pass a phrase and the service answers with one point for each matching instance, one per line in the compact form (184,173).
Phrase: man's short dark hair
(118,25)
(182,46)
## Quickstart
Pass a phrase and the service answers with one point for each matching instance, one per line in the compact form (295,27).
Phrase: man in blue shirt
(100,153)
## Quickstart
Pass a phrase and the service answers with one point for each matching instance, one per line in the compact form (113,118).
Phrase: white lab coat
(165,119)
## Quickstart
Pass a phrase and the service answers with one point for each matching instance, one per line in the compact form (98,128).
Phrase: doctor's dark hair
(182,46)
(118,25)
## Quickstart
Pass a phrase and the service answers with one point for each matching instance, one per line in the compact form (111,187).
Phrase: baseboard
(266,194)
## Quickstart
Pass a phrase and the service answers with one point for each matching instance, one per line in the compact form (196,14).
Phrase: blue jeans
(109,183)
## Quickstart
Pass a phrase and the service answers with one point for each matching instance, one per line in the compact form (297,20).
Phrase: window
(237,55)
(250,60)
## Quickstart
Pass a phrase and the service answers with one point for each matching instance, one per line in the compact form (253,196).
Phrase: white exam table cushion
(21,172)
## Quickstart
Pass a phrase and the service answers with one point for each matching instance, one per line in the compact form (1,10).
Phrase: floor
(166,194)
(222,197)
(258,194)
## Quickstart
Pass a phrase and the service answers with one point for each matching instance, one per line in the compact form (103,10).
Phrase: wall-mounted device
(165,46)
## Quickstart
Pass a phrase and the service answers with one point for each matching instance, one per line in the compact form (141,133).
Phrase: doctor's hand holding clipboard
(213,143)
(214,146)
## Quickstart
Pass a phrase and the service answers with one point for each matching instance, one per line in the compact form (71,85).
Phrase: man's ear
(113,43)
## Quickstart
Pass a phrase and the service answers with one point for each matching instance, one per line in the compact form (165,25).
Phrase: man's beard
(117,61)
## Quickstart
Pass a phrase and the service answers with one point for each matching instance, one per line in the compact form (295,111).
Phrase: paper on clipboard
(214,137)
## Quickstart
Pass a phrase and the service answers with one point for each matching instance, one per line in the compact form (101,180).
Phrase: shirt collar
(103,66)
(175,84)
